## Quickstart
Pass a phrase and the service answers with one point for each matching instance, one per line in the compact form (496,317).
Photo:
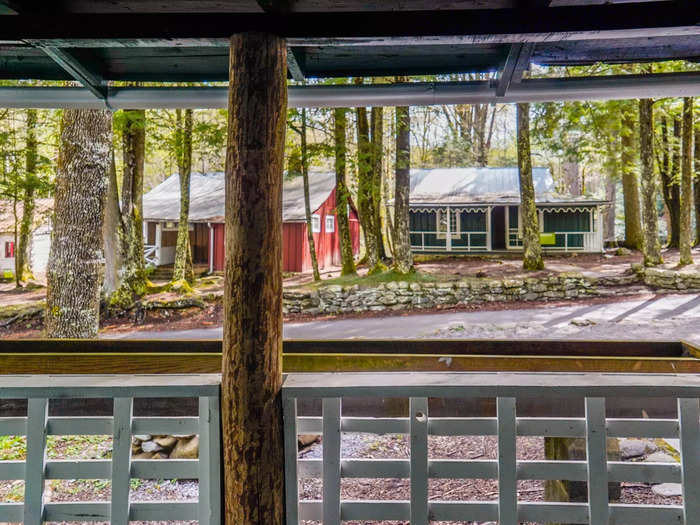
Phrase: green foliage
(13,448)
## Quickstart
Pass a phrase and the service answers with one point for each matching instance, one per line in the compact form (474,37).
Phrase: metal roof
(99,41)
(207,197)
(43,209)
(431,187)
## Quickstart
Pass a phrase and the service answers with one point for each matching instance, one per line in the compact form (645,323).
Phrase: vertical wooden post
(252,349)
(418,414)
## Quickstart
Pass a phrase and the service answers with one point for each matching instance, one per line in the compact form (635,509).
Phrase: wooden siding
(219,255)
(295,254)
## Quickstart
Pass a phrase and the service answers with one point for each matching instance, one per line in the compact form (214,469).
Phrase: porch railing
(460,241)
(507,389)
(150,254)
(567,241)
(120,469)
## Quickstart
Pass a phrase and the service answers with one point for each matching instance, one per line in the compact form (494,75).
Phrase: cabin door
(498,228)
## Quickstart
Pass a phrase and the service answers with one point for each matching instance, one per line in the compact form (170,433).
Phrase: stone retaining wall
(666,279)
(336,299)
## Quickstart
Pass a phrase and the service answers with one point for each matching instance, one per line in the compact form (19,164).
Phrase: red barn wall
(295,244)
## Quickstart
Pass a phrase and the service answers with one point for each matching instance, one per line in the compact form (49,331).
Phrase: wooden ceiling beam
(516,25)
(294,64)
(517,62)
(91,81)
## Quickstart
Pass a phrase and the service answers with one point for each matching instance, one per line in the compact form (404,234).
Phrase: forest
(641,155)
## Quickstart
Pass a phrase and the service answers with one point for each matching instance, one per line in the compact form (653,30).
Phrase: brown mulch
(448,447)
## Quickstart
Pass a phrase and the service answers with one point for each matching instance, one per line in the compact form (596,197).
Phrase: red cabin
(161,209)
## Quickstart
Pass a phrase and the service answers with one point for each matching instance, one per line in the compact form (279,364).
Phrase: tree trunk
(133,282)
(630,184)
(342,194)
(403,258)
(377,123)
(609,218)
(532,250)
(76,264)
(182,271)
(252,347)
(572,178)
(113,234)
(22,251)
(686,182)
(307,197)
(365,189)
(652,246)
(669,181)
(696,184)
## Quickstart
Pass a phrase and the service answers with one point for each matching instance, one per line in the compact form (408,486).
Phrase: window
(442,223)
(330,223)
(316,224)
(9,249)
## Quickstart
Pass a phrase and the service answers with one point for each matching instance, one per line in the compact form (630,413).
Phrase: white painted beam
(413,94)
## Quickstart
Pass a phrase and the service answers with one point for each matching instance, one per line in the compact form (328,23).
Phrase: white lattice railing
(150,254)
(39,423)
(506,388)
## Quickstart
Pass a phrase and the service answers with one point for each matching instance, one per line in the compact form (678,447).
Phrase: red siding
(328,244)
(295,245)
(218,247)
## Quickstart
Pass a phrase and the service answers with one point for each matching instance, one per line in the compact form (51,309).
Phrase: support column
(159,241)
(252,348)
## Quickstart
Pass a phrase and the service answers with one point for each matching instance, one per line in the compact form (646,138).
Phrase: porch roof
(100,41)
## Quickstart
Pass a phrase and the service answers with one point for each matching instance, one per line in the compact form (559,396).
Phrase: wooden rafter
(91,81)
(517,62)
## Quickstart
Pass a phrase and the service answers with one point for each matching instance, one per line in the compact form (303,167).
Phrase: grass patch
(13,448)
(389,276)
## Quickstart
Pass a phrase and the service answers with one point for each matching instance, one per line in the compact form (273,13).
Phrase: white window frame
(315,223)
(330,223)
(441,224)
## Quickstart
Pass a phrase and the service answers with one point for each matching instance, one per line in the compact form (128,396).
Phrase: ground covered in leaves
(94,490)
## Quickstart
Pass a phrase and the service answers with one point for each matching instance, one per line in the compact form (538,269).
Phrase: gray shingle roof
(207,201)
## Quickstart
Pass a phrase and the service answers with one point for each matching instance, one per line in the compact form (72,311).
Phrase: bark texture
(365,189)
(307,197)
(23,270)
(532,250)
(252,346)
(133,276)
(696,183)
(342,194)
(403,258)
(630,183)
(609,214)
(112,233)
(76,264)
(182,271)
(652,246)
(670,179)
(686,182)
(377,122)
